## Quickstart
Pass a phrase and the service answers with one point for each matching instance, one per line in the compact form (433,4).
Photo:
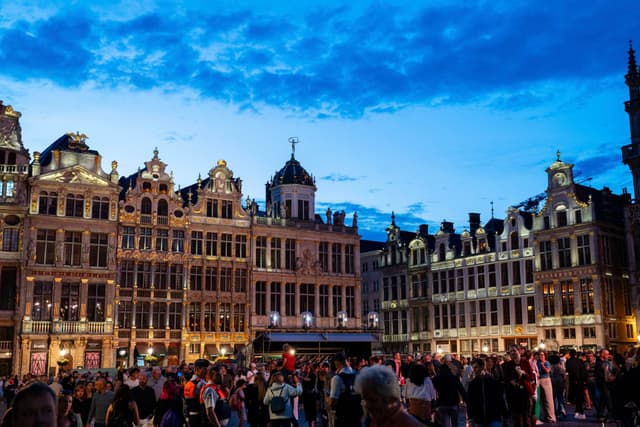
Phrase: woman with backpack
(278,400)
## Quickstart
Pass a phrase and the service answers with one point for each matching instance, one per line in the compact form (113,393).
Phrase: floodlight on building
(307,320)
(342,319)
(373,319)
(274,319)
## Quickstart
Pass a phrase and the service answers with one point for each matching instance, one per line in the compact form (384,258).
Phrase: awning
(319,337)
(158,349)
(210,349)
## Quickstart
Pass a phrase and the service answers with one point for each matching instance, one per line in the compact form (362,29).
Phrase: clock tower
(631,152)
(560,175)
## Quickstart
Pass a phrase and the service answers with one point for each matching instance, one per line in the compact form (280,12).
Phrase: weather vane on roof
(293,140)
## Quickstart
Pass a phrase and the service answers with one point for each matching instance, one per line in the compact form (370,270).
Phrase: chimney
(423,230)
(446,226)
(474,222)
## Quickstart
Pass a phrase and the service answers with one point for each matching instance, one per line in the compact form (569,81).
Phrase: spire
(633,67)
(632,78)
(393,218)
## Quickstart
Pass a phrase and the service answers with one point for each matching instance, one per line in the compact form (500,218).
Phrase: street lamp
(63,352)
(485,348)
(223,351)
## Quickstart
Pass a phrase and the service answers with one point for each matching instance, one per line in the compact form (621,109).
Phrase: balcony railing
(43,327)
(20,169)
(6,346)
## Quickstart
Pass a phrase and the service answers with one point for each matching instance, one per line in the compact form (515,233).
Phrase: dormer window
(442,252)
(515,240)
(562,218)
(146,186)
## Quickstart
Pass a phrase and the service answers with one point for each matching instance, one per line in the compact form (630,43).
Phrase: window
(461,316)
(128,238)
(612,329)
(303,209)
(48,203)
(584,249)
(578,214)
(209,317)
(177,243)
(224,317)
(506,312)
(324,300)
(70,302)
(195,278)
(274,296)
(98,249)
(336,258)
(349,260)
(211,279)
(10,239)
(589,332)
(261,298)
(493,307)
(261,252)
(225,244)
(473,314)
(569,333)
(518,310)
(225,279)
(145,211)
(125,312)
(72,248)
(290,299)
(144,244)
(290,254)
(586,296)
(160,279)
(549,334)
(240,317)
(629,330)
(482,311)
(517,279)
(564,252)
(350,300)
(241,280)
(562,218)
(212,208)
(276,253)
(211,244)
(531,311)
(548,299)
(162,240)
(159,315)
(515,240)
(100,208)
(127,274)
(324,256)
(42,300)
(175,277)
(74,205)
(196,242)
(8,288)
(337,299)
(194,317)
(227,209)
(528,271)
(175,315)
(307,297)
(567,294)
(144,275)
(163,212)
(545,255)
(46,247)
(547,224)
(241,246)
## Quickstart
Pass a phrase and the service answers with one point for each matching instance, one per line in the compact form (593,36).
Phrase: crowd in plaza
(520,388)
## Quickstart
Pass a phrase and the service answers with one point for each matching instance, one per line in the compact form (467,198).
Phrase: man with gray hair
(156,381)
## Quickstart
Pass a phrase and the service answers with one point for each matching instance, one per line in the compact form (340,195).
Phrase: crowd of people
(520,388)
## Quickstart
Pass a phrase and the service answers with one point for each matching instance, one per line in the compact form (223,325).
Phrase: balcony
(44,327)
(14,169)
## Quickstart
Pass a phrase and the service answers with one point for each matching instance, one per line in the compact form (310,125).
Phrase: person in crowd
(81,404)
(450,395)
(577,378)
(156,381)
(132,379)
(145,398)
(281,389)
(591,389)
(257,412)
(603,366)
(66,416)
(288,361)
(33,405)
(239,398)
(485,402)
(191,392)
(519,390)
(558,380)
(89,389)
(169,401)
(211,392)
(309,394)
(123,409)
(380,392)
(226,379)
(420,392)
(99,404)
(547,408)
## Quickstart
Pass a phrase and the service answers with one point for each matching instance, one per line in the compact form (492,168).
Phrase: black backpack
(277,403)
(348,407)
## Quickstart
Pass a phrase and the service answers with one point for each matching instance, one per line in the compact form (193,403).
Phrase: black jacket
(485,400)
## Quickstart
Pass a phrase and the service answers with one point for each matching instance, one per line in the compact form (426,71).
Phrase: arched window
(163,212)
(145,206)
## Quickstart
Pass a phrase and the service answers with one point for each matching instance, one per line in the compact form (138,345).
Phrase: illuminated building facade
(68,286)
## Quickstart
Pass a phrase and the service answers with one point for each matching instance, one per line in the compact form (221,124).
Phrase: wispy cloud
(331,63)
(338,178)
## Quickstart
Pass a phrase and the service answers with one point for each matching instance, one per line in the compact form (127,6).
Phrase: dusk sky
(431,109)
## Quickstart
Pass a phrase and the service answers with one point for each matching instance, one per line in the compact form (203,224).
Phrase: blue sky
(431,110)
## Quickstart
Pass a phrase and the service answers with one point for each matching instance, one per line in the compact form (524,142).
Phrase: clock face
(560,178)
